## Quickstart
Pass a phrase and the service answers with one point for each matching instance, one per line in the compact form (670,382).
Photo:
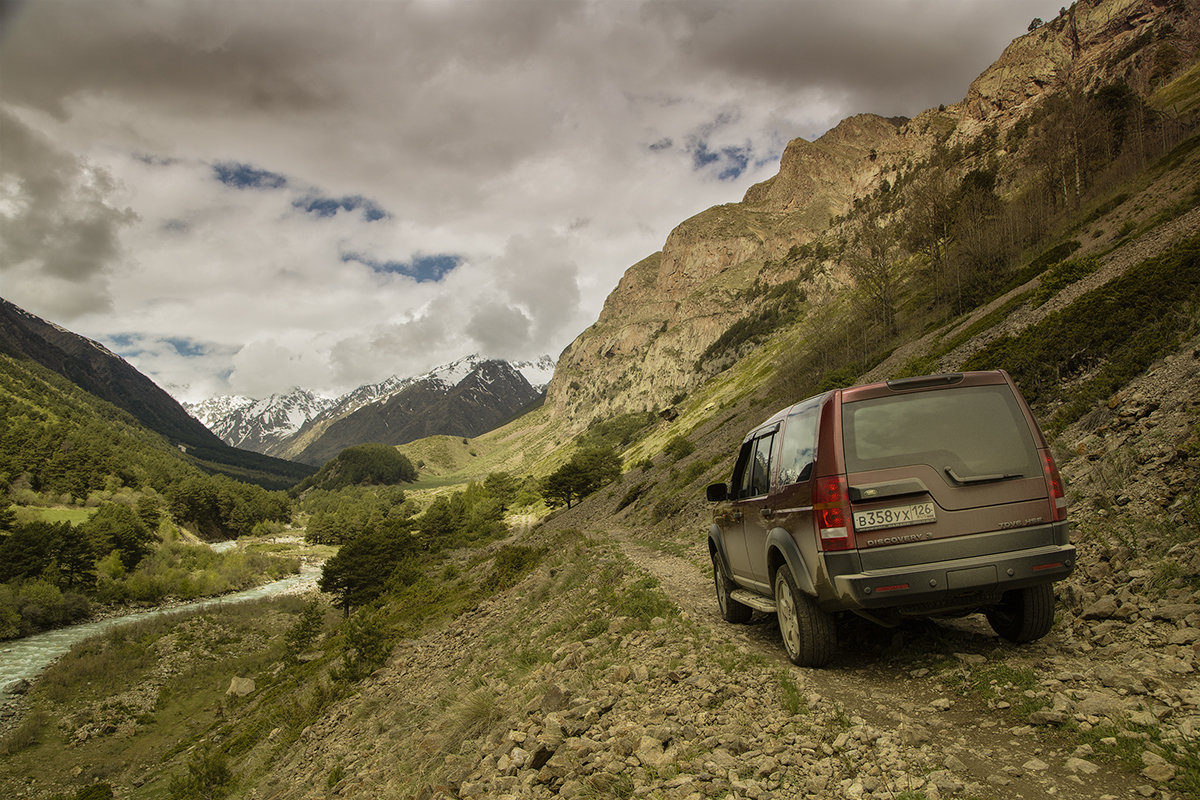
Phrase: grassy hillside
(59,438)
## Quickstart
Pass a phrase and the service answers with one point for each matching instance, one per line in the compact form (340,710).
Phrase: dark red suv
(934,495)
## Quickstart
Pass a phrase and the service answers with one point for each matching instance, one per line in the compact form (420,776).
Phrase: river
(26,658)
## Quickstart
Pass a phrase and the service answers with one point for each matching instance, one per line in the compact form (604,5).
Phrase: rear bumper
(954,584)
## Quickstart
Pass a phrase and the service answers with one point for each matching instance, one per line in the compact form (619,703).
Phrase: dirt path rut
(910,682)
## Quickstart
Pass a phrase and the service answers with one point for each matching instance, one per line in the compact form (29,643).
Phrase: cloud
(327,193)
(499,328)
(59,233)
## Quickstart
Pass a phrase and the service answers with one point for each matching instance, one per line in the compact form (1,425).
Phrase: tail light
(831,513)
(1054,486)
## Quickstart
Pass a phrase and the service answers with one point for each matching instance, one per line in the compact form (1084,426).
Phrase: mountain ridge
(288,423)
(643,351)
(103,374)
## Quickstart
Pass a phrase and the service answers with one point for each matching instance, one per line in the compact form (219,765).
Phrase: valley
(528,611)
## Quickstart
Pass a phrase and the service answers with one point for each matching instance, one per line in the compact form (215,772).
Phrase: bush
(305,630)
(1113,333)
(208,778)
(368,640)
(632,495)
(27,734)
(678,447)
(1062,275)
(512,562)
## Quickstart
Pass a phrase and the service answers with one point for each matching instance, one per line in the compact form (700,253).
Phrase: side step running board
(755,601)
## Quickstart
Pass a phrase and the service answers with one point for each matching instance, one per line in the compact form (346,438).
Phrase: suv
(926,496)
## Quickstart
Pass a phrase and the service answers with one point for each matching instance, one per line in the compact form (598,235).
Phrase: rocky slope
(671,306)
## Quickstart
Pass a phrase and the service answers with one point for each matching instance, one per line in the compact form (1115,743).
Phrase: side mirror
(717,492)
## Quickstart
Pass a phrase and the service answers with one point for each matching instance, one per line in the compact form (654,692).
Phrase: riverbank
(137,696)
(181,570)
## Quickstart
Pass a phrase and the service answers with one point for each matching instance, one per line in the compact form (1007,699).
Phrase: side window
(742,472)
(798,449)
(760,482)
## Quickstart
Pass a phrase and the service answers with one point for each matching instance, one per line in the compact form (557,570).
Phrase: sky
(242,196)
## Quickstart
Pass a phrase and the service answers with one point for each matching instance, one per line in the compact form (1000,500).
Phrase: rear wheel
(1023,615)
(809,635)
(731,610)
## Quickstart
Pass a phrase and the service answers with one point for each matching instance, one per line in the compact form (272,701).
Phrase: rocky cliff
(642,352)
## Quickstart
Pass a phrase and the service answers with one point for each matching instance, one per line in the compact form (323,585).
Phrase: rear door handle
(767,513)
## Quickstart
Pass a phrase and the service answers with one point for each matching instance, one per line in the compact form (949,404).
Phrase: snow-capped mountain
(288,424)
(258,424)
(538,373)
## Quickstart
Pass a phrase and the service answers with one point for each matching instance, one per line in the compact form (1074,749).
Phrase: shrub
(512,562)
(1062,275)
(368,640)
(632,495)
(26,734)
(305,630)
(208,778)
(1113,332)
(678,447)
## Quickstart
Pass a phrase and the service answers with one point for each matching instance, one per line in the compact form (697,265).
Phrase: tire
(1023,615)
(731,610)
(809,634)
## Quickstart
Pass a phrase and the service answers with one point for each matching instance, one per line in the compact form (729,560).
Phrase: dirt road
(913,683)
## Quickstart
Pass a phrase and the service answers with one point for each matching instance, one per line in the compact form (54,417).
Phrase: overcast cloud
(240,196)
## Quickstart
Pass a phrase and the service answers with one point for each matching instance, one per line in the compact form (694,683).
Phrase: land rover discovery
(927,496)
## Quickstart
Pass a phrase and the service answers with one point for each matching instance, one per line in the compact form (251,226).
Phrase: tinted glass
(798,448)
(741,472)
(760,482)
(974,431)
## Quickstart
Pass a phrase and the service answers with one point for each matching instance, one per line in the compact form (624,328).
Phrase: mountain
(1100,90)
(104,375)
(487,396)
(258,424)
(274,425)
(1048,227)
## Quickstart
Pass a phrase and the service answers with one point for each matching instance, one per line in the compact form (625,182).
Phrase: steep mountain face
(99,371)
(286,425)
(491,393)
(644,349)
(103,374)
(671,305)
(258,424)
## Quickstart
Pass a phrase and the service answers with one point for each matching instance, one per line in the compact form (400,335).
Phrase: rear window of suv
(974,431)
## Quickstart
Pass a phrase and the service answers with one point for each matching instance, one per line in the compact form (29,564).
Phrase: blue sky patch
(244,176)
(329,206)
(422,268)
(186,347)
(126,345)
(728,162)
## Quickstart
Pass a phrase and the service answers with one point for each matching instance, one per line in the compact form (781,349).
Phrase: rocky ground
(607,672)
(688,707)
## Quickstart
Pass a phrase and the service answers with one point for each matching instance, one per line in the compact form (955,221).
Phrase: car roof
(886,388)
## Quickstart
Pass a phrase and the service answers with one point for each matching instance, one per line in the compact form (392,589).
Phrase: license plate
(894,517)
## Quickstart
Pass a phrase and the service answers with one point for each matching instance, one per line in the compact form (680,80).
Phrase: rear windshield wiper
(969,479)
